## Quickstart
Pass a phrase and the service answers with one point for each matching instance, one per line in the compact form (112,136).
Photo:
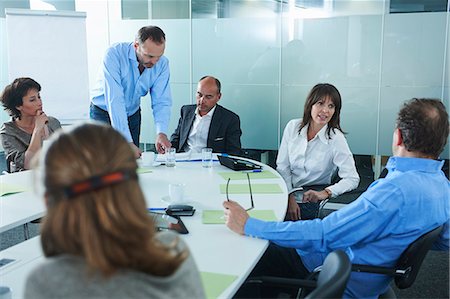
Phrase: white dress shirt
(301,162)
(198,136)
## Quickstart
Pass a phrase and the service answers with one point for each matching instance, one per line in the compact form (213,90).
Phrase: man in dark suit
(208,124)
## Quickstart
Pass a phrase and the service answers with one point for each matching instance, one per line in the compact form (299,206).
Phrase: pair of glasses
(249,187)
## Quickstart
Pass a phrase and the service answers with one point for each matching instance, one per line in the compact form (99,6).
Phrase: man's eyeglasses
(249,187)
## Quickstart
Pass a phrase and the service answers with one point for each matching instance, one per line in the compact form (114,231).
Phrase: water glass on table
(170,157)
(207,157)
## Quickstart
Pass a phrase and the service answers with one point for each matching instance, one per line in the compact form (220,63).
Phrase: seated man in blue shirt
(377,227)
(129,71)
(208,124)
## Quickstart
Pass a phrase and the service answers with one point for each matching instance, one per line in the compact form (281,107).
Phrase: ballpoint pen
(254,170)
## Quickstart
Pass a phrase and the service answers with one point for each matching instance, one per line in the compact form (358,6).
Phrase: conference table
(21,207)
(224,258)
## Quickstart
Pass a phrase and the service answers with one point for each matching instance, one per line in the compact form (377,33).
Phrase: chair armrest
(376,270)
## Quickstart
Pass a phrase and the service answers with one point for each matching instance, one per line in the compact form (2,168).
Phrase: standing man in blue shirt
(128,72)
(377,227)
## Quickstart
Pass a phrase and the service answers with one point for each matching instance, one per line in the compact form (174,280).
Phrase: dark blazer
(224,135)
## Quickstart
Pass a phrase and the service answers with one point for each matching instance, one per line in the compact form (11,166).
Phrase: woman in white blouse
(313,148)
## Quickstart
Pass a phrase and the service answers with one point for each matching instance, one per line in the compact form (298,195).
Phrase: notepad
(215,283)
(238,175)
(144,170)
(216,216)
(6,189)
(256,188)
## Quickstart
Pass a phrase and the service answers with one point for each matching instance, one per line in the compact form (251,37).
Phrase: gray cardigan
(15,141)
(66,277)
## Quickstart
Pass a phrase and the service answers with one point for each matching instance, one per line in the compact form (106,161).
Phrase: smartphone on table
(167,222)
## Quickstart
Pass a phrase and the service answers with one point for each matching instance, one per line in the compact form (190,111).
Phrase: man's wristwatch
(328,191)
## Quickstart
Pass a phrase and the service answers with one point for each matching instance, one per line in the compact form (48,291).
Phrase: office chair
(408,265)
(332,279)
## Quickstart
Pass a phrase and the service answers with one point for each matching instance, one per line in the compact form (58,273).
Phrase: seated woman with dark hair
(97,235)
(22,136)
(313,148)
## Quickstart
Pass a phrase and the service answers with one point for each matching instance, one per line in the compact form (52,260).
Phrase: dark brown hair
(108,227)
(13,93)
(153,33)
(317,93)
(424,126)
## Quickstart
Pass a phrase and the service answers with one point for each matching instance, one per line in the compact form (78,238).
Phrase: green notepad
(6,189)
(143,170)
(216,216)
(215,283)
(238,175)
(256,188)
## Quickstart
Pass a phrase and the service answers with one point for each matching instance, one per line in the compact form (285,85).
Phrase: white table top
(20,208)
(215,248)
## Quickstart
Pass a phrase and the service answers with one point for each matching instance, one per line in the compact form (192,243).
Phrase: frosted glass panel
(238,51)
(392,99)
(3,67)
(345,50)
(413,52)
(292,103)
(180,97)
(413,65)
(3,52)
(359,118)
(257,107)
(446,88)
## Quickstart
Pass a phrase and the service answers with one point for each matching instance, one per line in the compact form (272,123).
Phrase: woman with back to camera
(311,150)
(97,235)
(22,137)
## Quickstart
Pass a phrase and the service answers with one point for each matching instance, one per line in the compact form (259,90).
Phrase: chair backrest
(413,256)
(333,277)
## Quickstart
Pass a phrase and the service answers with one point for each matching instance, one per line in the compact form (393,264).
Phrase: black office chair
(408,265)
(332,279)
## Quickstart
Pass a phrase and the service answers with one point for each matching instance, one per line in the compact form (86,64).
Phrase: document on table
(217,217)
(6,189)
(242,175)
(215,283)
(256,188)
(144,170)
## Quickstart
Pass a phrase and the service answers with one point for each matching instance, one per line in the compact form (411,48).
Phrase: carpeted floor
(433,278)
(16,235)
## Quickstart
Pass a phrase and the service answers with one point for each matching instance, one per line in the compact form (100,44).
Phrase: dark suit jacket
(224,135)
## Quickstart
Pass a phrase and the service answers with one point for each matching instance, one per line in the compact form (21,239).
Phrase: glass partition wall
(268,54)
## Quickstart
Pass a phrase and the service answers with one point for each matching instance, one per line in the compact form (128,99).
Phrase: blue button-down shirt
(375,229)
(119,88)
